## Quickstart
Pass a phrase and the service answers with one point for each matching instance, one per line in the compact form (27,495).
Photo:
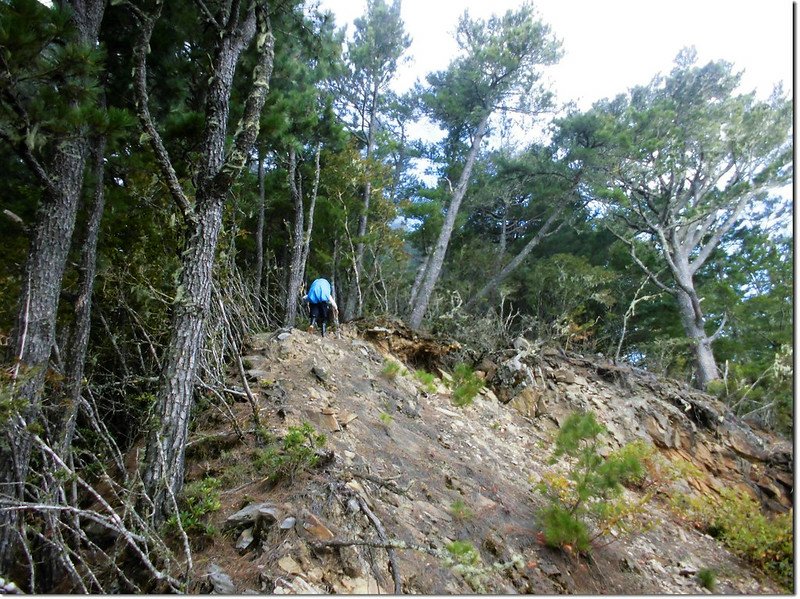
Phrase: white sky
(612,45)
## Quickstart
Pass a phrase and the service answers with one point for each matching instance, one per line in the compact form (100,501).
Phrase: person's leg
(324,316)
(316,313)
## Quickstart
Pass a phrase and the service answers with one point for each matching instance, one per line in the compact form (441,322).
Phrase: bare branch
(711,244)
(654,278)
(207,14)
(146,25)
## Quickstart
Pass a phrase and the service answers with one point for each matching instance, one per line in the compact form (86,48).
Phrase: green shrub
(391,369)
(386,418)
(466,385)
(465,560)
(591,489)
(427,379)
(295,453)
(460,510)
(737,521)
(199,499)
(707,578)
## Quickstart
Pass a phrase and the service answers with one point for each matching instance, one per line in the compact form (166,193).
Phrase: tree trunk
(76,356)
(296,266)
(437,259)
(312,204)
(354,306)
(495,281)
(167,440)
(166,443)
(423,267)
(260,230)
(693,325)
(34,334)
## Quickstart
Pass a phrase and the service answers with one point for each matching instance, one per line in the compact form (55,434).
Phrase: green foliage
(707,578)
(199,499)
(466,385)
(464,552)
(391,369)
(296,452)
(427,379)
(567,294)
(738,521)
(499,64)
(591,489)
(460,510)
(386,418)
(563,529)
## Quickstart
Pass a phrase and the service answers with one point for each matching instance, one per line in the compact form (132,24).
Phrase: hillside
(398,457)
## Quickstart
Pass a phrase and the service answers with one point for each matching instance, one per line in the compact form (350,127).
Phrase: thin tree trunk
(296,266)
(437,259)
(501,276)
(260,229)
(76,356)
(311,207)
(501,249)
(354,305)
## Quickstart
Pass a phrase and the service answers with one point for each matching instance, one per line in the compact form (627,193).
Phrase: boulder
(221,583)
(266,512)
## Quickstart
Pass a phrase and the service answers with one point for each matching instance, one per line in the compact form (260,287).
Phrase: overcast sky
(612,45)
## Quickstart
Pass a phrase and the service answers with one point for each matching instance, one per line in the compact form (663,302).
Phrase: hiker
(318,298)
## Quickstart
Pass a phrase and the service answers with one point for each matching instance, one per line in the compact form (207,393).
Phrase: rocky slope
(402,463)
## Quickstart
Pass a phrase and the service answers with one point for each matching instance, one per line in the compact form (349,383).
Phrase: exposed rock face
(676,418)
(403,463)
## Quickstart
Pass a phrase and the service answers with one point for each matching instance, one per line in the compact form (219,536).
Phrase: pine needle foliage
(590,488)
(466,385)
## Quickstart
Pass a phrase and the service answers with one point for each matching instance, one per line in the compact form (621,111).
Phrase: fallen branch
(382,535)
(385,483)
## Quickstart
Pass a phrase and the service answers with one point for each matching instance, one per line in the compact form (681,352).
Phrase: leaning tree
(497,70)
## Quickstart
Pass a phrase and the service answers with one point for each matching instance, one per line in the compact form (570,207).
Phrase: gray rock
(550,569)
(288,523)
(245,539)
(255,511)
(320,373)
(284,336)
(221,583)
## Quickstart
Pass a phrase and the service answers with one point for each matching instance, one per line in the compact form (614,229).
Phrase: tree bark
(260,230)
(423,267)
(437,258)
(295,268)
(693,323)
(166,443)
(76,355)
(34,334)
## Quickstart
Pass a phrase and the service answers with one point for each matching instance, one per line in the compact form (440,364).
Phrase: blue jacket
(319,292)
